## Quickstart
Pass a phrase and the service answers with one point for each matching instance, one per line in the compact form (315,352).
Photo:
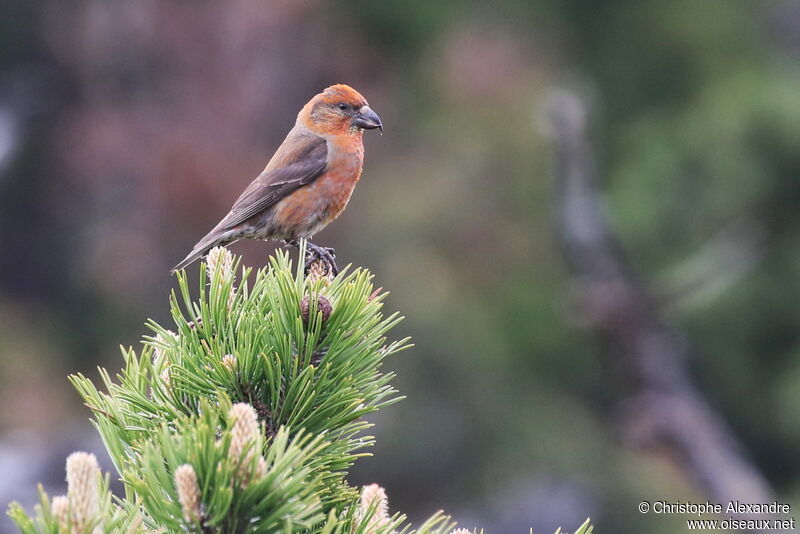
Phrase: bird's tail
(193,256)
(213,239)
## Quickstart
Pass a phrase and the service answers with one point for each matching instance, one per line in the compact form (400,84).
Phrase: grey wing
(273,185)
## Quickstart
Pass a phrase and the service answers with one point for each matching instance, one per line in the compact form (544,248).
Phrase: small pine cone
(188,492)
(60,510)
(323,305)
(83,489)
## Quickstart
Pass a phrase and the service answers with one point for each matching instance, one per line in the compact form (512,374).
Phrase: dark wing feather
(290,169)
(273,185)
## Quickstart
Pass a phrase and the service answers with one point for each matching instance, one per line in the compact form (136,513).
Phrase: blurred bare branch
(664,411)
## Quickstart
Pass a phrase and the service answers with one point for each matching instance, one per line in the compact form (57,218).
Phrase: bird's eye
(344,107)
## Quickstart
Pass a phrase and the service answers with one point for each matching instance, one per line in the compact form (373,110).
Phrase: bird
(307,182)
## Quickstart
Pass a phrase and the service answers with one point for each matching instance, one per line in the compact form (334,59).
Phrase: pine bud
(158,349)
(261,468)
(220,259)
(83,491)
(60,510)
(165,377)
(229,361)
(188,492)
(320,270)
(461,531)
(135,525)
(373,497)
(375,294)
(323,305)
(244,438)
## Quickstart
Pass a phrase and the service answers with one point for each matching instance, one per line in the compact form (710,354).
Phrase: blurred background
(127,129)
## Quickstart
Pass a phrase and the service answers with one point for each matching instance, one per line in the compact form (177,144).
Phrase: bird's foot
(325,256)
(320,259)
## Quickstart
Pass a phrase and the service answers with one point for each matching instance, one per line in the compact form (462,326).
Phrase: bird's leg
(316,253)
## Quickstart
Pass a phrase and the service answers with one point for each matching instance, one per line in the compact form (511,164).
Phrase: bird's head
(339,109)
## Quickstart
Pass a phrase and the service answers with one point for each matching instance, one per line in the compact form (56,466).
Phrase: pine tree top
(245,415)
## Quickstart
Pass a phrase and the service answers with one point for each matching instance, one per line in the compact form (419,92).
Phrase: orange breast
(312,207)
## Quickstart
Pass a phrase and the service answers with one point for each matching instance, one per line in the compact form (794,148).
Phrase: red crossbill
(308,181)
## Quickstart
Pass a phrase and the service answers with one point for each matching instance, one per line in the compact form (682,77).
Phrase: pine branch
(245,415)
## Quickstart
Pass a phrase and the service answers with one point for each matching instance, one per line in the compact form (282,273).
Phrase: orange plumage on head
(321,115)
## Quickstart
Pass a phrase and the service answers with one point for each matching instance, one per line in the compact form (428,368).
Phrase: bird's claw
(326,255)
(314,254)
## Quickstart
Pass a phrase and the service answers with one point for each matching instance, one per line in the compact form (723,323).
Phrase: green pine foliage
(115,518)
(245,416)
